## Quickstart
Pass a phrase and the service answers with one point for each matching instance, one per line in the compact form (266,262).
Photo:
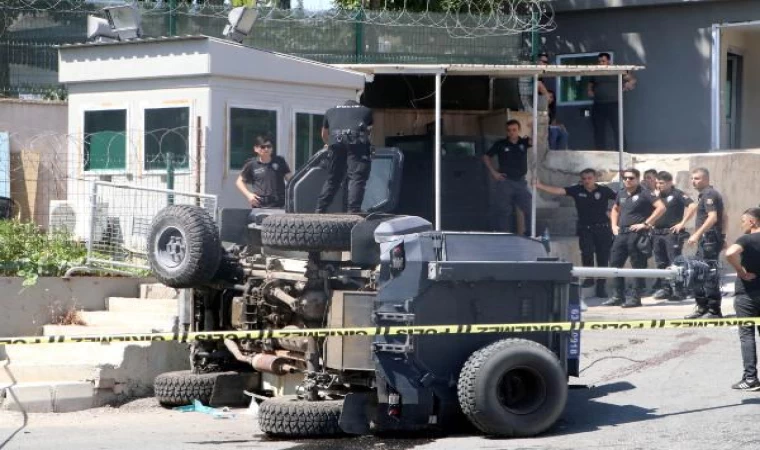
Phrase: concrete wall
(669,111)
(24,310)
(745,42)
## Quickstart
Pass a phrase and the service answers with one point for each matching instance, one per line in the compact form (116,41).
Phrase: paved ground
(658,389)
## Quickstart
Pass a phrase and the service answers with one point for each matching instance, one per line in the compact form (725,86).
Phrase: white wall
(135,98)
(746,42)
(287,99)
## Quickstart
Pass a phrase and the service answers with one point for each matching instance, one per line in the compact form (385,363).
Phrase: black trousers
(595,241)
(748,305)
(666,248)
(601,115)
(624,247)
(350,161)
(708,297)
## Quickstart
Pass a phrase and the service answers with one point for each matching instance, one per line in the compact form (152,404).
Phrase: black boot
(601,289)
(633,301)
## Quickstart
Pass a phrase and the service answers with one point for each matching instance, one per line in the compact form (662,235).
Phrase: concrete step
(57,397)
(83,330)
(158,291)
(141,305)
(112,371)
(128,319)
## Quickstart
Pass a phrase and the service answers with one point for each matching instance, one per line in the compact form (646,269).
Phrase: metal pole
(612,272)
(534,143)
(715,87)
(621,127)
(172,17)
(170,177)
(437,152)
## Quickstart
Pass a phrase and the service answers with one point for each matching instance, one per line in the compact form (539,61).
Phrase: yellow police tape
(389,331)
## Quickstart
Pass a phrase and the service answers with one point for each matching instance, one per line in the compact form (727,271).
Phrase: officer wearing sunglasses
(635,211)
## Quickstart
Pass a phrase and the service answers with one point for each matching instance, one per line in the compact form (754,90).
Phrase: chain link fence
(89,199)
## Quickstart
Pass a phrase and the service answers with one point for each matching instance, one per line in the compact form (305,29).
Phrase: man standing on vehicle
(511,186)
(346,131)
(709,235)
(668,234)
(266,173)
(593,228)
(744,256)
(633,215)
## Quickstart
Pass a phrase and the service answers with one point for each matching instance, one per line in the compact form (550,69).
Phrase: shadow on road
(585,413)
(12,394)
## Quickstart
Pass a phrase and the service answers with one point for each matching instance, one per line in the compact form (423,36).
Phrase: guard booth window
(105,140)
(167,131)
(308,136)
(574,90)
(245,125)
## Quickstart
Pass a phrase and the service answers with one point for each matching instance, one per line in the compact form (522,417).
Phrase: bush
(30,252)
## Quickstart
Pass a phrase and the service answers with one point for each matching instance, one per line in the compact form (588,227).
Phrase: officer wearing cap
(669,234)
(346,131)
(633,215)
(709,237)
(593,228)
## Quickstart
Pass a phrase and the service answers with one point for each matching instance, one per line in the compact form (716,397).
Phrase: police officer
(669,234)
(346,131)
(266,173)
(709,236)
(593,228)
(633,215)
(511,185)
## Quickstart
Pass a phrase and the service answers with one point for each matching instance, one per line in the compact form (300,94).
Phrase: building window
(167,132)
(574,90)
(245,125)
(308,136)
(105,140)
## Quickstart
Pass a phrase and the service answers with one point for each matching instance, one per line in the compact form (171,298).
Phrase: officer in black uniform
(593,228)
(669,234)
(346,130)
(266,173)
(709,236)
(511,186)
(635,212)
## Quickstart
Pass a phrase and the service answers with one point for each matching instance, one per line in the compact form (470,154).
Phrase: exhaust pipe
(262,362)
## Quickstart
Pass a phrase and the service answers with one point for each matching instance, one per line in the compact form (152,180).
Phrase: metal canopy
(505,71)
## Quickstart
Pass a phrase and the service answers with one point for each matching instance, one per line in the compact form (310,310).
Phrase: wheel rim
(522,390)
(170,249)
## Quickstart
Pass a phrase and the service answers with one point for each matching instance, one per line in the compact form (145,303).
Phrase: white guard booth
(200,98)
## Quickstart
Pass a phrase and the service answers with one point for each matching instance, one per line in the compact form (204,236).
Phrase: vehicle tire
(182,387)
(184,249)
(512,388)
(289,416)
(309,232)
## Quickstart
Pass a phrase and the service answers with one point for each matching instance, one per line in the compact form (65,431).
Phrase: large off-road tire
(182,387)
(289,416)
(309,232)
(512,388)
(184,249)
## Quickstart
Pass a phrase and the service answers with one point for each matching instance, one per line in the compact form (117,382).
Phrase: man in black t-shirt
(633,215)
(744,256)
(593,228)
(710,237)
(346,131)
(266,174)
(604,91)
(669,234)
(511,186)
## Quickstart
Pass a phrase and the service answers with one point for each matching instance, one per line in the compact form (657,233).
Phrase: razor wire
(459,18)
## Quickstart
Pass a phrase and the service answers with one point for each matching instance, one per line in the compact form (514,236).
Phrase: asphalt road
(654,389)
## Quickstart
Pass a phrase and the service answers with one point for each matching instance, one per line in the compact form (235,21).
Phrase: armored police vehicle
(293,270)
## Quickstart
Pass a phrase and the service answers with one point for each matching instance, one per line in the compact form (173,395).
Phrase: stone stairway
(72,377)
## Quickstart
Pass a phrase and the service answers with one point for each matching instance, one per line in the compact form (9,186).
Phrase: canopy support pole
(437,151)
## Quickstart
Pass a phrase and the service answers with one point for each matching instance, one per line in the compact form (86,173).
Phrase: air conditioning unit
(64,217)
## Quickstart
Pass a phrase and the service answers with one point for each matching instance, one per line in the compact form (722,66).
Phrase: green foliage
(30,252)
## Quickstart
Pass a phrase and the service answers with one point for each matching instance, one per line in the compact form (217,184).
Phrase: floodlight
(125,21)
(99,30)
(241,21)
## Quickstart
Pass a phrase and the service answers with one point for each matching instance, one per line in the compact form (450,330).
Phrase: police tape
(410,330)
